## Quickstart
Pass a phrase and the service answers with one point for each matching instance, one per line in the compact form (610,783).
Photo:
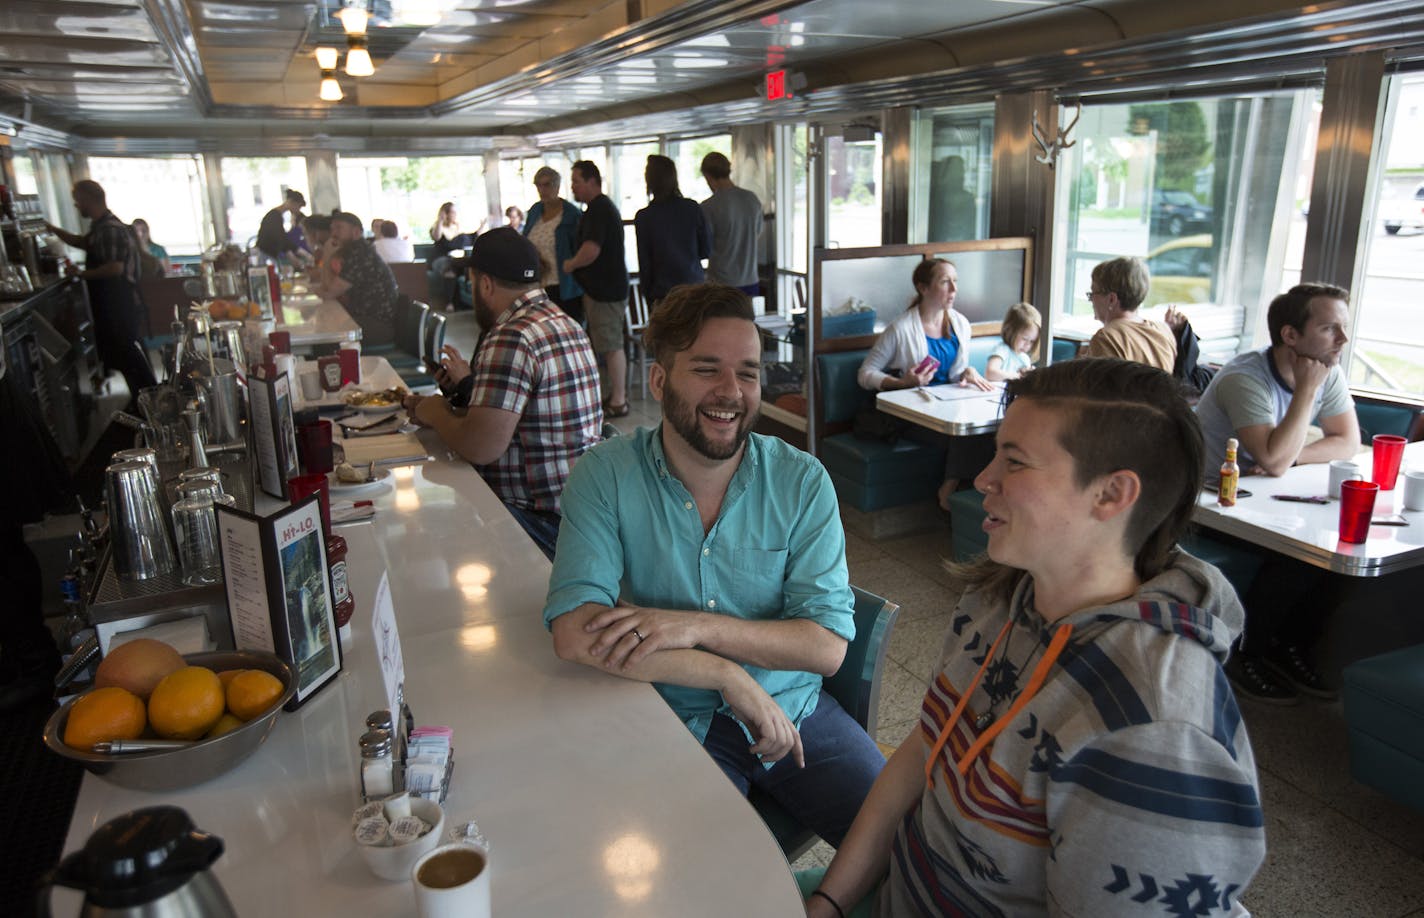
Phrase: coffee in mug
(451,867)
(453,881)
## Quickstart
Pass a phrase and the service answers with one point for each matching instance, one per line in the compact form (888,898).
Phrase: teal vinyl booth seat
(870,475)
(1384,715)
(856,687)
(966,518)
(1384,418)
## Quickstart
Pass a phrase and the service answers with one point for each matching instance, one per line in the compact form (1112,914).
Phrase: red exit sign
(776,87)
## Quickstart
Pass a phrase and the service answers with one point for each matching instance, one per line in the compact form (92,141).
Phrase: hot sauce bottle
(1230,477)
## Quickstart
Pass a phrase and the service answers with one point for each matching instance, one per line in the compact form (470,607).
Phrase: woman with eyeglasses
(552,226)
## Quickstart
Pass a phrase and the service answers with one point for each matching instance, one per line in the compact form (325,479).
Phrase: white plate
(341,489)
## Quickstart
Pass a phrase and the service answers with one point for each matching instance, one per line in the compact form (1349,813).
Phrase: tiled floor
(1336,849)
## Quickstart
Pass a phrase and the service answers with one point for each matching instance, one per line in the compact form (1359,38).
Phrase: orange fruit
(252,692)
(137,666)
(104,714)
(226,677)
(186,704)
(226,724)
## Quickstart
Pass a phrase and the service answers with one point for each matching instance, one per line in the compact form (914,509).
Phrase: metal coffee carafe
(150,863)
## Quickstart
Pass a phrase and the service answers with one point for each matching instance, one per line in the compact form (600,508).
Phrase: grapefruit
(137,666)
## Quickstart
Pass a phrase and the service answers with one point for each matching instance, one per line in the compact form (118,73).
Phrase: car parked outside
(1181,271)
(1404,212)
(1178,212)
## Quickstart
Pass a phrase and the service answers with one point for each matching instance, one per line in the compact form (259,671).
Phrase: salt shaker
(377,766)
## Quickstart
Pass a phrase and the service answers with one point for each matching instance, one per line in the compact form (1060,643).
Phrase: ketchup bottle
(342,603)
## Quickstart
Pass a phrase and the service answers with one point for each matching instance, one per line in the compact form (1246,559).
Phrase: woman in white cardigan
(931,327)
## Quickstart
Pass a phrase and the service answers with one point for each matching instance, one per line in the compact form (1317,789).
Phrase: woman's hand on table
(971,379)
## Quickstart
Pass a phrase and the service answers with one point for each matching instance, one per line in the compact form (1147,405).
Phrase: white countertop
(956,410)
(1311,532)
(326,322)
(595,798)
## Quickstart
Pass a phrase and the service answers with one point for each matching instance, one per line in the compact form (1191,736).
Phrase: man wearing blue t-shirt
(710,561)
(1267,400)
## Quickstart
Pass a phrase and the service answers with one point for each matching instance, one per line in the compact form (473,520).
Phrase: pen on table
(1301,498)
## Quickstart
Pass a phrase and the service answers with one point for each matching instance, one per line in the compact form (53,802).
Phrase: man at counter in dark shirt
(111,273)
(272,238)
(361,281)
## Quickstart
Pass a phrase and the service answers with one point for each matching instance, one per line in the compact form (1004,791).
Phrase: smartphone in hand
(928,364)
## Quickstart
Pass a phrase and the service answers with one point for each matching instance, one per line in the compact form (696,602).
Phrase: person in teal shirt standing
(710,561)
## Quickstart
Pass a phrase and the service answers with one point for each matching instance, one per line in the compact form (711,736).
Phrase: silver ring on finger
(639,635)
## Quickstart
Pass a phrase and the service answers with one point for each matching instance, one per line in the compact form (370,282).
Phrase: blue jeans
(841,763)
(542,526)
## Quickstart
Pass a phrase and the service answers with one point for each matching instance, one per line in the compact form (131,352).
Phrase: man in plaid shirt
(529,407)
(111,273)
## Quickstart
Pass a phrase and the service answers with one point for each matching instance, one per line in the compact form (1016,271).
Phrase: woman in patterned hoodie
(1079,751)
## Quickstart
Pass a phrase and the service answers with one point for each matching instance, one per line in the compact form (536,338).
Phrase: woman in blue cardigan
(551,225)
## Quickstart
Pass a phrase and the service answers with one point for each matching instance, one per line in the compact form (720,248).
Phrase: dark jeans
(542,526)
(1286,604)
(842,762)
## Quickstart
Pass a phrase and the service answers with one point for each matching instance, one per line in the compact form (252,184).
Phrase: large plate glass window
(1210,192)
(953,172)
(410,190)
(853,186)
(1388,348)
(177,218)
(688,153)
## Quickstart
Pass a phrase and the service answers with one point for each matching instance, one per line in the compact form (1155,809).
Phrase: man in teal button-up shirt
(711,562)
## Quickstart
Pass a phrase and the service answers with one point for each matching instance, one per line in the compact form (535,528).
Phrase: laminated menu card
(274,432)
(279,590)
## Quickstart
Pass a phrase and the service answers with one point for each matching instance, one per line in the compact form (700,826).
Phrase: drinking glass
(1357,503)
(1388,450)
(140,538)
(197,532)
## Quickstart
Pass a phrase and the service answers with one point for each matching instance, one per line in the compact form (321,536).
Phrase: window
(264,181)
(410,190)
(1387,352)
(628,188)
(178,217)
(955,155)
(854,187)
(1209,192)
(25,175)
(688,156)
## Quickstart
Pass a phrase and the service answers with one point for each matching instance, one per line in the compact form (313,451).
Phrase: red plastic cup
(281,340)
(1389,450)
(314,447)
(1357,504)
(303,486)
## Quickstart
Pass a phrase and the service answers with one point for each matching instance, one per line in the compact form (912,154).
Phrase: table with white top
(1311,532)
(952,409)
(314,322)
(595,798)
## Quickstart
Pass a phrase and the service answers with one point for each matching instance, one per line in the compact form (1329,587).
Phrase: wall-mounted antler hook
(1049,156)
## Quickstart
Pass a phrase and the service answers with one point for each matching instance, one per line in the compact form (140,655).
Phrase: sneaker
(1290,663)
(1251,679)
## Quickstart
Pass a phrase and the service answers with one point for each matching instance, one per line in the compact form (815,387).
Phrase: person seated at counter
(1077,743)
(1268,399)
(1119,286)
(532,406)
(390,247)
(316,229)
(363,283)
(153,258)
(710,561)
(931,328)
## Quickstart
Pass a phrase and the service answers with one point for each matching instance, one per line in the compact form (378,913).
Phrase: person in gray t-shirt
(1267,400)
(735,216)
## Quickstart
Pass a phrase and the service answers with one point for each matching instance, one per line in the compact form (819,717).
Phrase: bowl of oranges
(214,709)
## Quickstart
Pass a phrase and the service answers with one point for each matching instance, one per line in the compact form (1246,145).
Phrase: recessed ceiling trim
(175,33)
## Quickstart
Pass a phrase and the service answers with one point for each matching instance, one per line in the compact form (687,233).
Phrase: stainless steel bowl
(171,769)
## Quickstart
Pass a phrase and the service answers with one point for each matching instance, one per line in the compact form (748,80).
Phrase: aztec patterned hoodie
(1122,785)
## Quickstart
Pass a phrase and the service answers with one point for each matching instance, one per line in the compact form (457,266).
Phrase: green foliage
(1183,144)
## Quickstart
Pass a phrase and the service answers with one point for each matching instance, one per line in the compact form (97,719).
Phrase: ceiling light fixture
(358,59)
(326,58)
(418,12)
(353,19)
(330,89)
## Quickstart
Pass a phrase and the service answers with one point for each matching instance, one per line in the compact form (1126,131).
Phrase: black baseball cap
(505,253)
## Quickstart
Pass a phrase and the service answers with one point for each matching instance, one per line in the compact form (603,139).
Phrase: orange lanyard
(1040,674)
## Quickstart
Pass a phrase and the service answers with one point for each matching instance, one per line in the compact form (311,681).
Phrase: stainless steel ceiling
(215,74)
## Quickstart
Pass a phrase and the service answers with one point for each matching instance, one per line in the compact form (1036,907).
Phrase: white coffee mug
(453,881)
(1341,471)
(311,385)
(1414,489)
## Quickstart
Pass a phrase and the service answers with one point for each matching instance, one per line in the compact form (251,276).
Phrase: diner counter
(1311,532)
(313,321)
(594,797)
